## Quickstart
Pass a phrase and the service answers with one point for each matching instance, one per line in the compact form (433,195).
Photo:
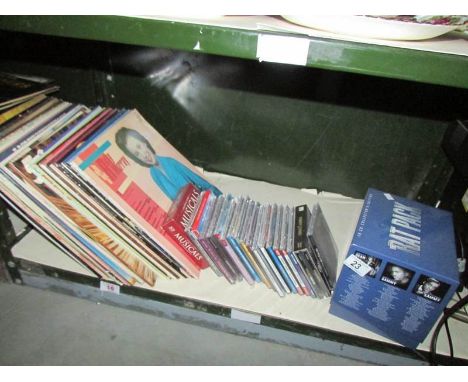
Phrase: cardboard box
(400,271)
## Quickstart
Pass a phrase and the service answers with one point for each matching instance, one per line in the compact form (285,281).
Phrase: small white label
(282,49)
(109,287)
(388,196)
(357,265)
(244,316)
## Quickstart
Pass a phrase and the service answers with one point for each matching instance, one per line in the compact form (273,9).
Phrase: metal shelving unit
(118,61)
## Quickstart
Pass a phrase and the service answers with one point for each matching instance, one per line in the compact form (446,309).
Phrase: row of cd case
(289,249)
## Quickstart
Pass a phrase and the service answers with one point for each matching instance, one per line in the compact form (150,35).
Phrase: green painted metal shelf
(369,59)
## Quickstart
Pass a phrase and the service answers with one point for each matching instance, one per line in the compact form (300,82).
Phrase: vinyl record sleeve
(28,116)
(15,88)
(93,226)
(19,109)
(64,206)
(138,177)
(25,135)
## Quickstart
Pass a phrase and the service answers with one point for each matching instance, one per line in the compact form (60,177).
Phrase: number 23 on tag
(357,265)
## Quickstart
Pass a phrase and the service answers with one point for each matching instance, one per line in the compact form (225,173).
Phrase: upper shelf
(441,61)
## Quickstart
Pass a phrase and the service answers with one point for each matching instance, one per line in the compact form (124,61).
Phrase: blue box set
(407,251)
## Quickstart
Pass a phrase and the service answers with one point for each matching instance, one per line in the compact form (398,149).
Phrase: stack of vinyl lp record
(98,182)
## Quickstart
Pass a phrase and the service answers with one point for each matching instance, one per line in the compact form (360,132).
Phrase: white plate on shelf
(371,27)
